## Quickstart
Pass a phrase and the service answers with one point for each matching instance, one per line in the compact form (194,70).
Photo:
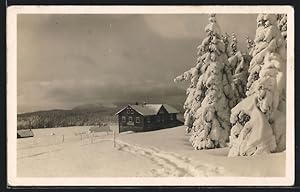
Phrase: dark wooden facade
(132,120)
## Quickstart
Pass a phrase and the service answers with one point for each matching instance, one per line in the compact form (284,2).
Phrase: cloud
(68,60)
(68,94)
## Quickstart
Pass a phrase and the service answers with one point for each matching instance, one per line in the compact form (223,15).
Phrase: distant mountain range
(82,115)
(98,106)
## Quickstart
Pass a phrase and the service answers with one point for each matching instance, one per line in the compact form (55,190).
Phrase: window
(137,120)
(129,111)
(158,119)
(148,119)
(123,119)
(130,119)
(171,117)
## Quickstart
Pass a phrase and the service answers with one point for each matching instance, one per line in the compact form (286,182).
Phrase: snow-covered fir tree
(207,108)
(233,45)
(239,63)
(282,24)
(250,45)
(259,119)
(225,39)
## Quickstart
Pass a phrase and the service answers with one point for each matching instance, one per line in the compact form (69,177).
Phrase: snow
(279,130)
(256,136)
(162,153)
(47,156)
(264,129)
(257,100)
(282,24)
(233,44)
(235,120)
(225,39)
(250,45)
(239,64)
(207,107)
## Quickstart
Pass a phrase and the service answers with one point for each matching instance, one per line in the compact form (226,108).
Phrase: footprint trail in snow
(170,164)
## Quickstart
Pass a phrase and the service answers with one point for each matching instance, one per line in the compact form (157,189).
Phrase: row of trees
(63,118)
(238,97)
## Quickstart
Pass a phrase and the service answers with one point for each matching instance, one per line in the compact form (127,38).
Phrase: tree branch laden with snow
(250,45)
(207,108)
(239,63)
(233,45)
(259,119)
(282,24)
(225,39)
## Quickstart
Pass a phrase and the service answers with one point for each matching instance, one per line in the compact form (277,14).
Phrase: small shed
(147,117)
(23,133)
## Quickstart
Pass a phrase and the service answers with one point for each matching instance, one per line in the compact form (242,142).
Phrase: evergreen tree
(239,64)
(207,108)
(233,45)
(282,24)
(259,119)
(225,39)
(250,45)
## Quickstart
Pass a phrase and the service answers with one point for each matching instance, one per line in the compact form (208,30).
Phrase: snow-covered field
(67,152)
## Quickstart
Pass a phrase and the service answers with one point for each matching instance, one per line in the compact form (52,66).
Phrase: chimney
(137,103)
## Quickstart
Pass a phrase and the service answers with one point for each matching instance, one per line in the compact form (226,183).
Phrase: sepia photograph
(148,95)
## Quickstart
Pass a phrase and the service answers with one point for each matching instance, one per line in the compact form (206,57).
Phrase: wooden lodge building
(24,133)
(147,117)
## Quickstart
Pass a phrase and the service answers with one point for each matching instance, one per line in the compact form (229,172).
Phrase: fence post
(114,139)
(63,138)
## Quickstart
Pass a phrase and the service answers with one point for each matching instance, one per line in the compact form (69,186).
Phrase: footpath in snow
(173,143)
(170,164)
(161,153)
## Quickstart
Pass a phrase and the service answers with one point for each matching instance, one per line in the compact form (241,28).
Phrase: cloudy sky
(69,60)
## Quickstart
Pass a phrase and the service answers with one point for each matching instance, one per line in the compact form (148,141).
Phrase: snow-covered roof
(150,109)
(24,133)
(170,109)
